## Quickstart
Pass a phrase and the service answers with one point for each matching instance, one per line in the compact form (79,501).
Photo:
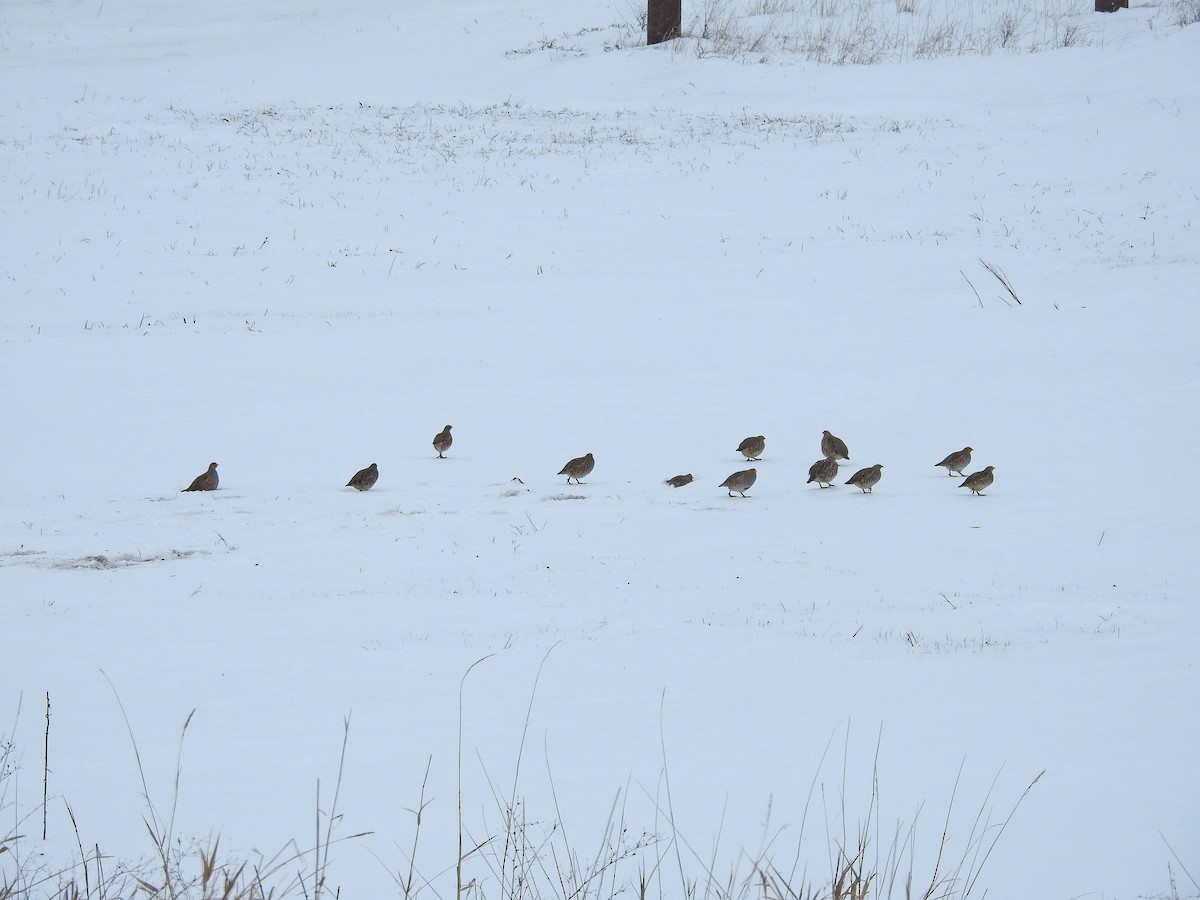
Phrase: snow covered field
(298,239)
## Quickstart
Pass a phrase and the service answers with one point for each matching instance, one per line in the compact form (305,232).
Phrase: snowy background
(300,238)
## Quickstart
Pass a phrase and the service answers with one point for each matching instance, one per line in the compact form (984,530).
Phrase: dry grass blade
(1002,278)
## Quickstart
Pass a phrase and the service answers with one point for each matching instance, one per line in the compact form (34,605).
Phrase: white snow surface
(300,238)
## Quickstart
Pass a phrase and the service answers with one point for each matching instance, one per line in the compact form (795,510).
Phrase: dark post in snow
(1111,5)
(663,19)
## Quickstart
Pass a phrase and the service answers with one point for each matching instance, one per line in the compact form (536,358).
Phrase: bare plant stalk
(99,868)
(933,879)
(458,885)
(999,833)
(968,281)
(153,824)
(317,846)
(412,857)
(662,743)
(1177,860)
(322,858)
(512,799)
(178,774)
(46,766)
(82,856)
(137,756)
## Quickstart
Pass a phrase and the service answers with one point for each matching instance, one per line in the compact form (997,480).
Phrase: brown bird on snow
(957,461)
(442,442)
(205,482)
(833,447)
(740,482)
(752,447)
(364,479)
(578,468)
(823,471)
(977,481)
(866,478)
(679,480)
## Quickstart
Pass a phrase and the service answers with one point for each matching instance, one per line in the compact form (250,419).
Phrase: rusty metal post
(663,20)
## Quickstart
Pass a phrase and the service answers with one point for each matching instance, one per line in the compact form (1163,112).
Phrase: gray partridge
(977,481)
(442,442)
(679,481)
(578,468)
(823,471)
(865,479)
(833,447)
(740,482)
(752,447)
(364,479)
(205,482)
(957,461)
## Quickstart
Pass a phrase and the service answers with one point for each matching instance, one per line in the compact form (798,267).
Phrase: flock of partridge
(823,471)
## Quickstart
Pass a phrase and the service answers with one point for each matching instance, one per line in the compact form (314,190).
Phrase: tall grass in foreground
(526,854)
(520,853)
(177,867)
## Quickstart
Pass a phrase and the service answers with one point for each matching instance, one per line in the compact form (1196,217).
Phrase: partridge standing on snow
(833,447)
(823,471)
(740,482)
(977,481)
(442,442)
(578,468)
(205,482)
(364,479)
(752,447)
(957,461)
(866,478)
(679,480)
